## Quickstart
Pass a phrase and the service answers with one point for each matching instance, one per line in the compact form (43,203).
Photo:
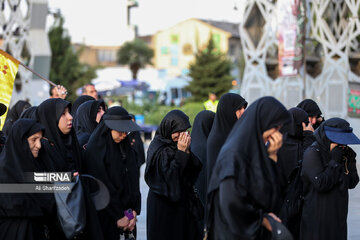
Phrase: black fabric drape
(65,154)
(244,159)
(294,144)
(14,114)
(22,215)
(80,100)
(29,113)
(225,118)
(85,119)
(326,187)
(64,149)
(171,174)
(115,165)
(311,107)
(199,135)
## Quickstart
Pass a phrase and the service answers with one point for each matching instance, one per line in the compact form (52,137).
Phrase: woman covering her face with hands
(171,171)
(243,189)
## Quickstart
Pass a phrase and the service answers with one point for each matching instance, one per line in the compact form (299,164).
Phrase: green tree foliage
(136,54)
(66,69)
(210,73)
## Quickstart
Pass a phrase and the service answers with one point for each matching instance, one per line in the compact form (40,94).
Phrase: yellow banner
(8,69)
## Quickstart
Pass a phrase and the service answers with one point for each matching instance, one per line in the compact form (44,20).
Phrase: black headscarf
(244,156)
(29,113)
(80,100)
(163,145)
(174,121)
(200,132)
(17,155)
(85,119)
(199,135)
(14,114)
(321,137)
(112,163)
(295,128)
(225,118)
(311,107)
(15,160)
(48,114)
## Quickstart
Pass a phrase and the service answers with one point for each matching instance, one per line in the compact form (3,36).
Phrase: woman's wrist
(273,156)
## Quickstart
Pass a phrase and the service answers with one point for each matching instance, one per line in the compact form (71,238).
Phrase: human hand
(308,127)
(275,143)
(266,222)
(132,223)
(123,222)
(337,154)
(184,141)
(61,90)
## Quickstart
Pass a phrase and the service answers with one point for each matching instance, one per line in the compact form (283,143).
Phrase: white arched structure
(334,24)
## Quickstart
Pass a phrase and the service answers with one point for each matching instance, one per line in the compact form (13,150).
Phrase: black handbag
(71,209)
(196,207)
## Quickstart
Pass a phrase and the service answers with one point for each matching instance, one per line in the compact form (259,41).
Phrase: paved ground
(354,212)
(353,218)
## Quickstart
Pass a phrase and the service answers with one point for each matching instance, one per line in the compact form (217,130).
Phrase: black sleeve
(308,139)
(192,169)
(323,178)
(353,175)
(171,169)
(234,205)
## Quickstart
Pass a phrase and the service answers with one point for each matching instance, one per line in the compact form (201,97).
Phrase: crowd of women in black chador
(263,173)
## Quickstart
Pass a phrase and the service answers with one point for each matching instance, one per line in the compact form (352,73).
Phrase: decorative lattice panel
(15,25)
(333,29)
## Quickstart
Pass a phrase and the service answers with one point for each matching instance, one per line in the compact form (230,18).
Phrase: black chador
(63,149)
(327,177)
(115,165)
(14,114)
(225,119)
(29,113)
(64,152)
(199,134)
(85,120)
(23,216)
(294,144)
(80,100)
(243,186)
(171,174)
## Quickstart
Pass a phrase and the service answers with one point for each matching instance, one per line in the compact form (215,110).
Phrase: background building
(176,47)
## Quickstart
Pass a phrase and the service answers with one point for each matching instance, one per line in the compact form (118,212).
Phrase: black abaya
(22,215)
(199,135)
(225,118)
(244,185)
(115,165)
(326,187)
(171,174)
